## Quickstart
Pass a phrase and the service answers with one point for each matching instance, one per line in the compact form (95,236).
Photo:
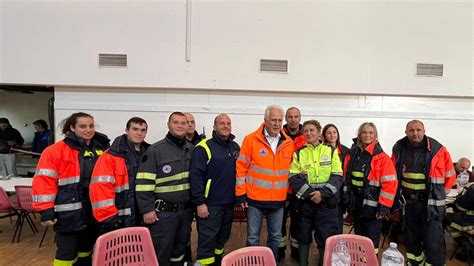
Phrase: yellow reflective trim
(419,176)
(57,262)
(218,251)
(145,188)
(413,186)
(175,188)
(357,183)
(411,256)
(208,187)
(144,175)
(206,261)
(376,251)
(203,143)
(84,254)
(179,176)
(357,174)
(99,152)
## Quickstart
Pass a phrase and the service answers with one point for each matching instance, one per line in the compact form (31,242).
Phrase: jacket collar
(260,134)
(74,142)
(121,145)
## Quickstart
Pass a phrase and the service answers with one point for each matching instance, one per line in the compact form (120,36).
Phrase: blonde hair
(362,128)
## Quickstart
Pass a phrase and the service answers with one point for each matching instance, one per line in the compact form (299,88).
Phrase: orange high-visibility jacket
(109,180)
(439,174)
(262,177)
(57,184)
(380,177)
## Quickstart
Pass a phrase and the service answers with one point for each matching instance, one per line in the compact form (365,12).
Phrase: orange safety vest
(262,176)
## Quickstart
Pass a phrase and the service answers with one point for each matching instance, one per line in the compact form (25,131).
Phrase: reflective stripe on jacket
(379,183)
(262,177)
(57,191)
(108,185)
(163,174)
(111,184)
(439,169)
(212,171)
(316,167)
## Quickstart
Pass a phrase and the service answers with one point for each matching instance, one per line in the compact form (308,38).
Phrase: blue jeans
(254,225)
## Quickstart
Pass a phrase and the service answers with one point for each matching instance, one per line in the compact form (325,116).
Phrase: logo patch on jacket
(324,157)
(166,169)
(263,152)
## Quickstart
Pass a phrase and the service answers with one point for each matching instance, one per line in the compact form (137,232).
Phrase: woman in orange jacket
(61,189)
(371,181)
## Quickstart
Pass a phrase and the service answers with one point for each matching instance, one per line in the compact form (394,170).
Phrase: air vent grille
(274,66)
(112,60)
(429,70)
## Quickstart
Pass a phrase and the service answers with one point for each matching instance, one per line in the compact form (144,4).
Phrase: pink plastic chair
(6,206)
(250,256)
(25,200)
(361,249)
(127,246)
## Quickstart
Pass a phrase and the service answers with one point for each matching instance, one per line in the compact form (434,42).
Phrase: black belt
(414,196)
(161,205)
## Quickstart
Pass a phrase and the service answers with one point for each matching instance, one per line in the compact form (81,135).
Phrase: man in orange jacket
(112,188)
(262,177)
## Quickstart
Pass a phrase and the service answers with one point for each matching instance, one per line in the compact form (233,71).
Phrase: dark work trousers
(320,218)
(290,210)
(75,246)
(340,217)
(369,227)
(422,236)
(170,236)
(213,233)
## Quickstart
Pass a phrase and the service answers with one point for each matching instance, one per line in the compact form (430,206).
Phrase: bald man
(212,176)
(191,134)
(462,166)
(426,173)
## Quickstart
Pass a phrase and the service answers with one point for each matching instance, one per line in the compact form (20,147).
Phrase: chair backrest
(361,249)
(254,256)
(240,214)
(5,203)
(127,246)
(24,197)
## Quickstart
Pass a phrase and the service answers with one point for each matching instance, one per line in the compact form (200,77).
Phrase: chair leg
(17,227)
(31,223)
(21,228)
(352,228)
(44,234)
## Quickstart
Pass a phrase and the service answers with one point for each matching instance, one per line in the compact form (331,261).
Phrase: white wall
(450,121)
(332,46)
(24,109)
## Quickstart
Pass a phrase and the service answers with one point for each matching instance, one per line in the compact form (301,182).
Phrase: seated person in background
(462,167)
(42,137)
(462,220)
(9,137)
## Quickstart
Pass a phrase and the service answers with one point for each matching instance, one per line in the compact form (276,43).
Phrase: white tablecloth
(9,185)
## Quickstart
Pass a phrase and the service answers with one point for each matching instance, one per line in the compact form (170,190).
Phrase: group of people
(11,138)
(85,188)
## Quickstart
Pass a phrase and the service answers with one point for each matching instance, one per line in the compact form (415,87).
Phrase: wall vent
(429,70)
(112,60)
(274,66)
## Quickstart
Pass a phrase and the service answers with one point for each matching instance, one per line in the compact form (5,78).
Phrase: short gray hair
(271,107)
